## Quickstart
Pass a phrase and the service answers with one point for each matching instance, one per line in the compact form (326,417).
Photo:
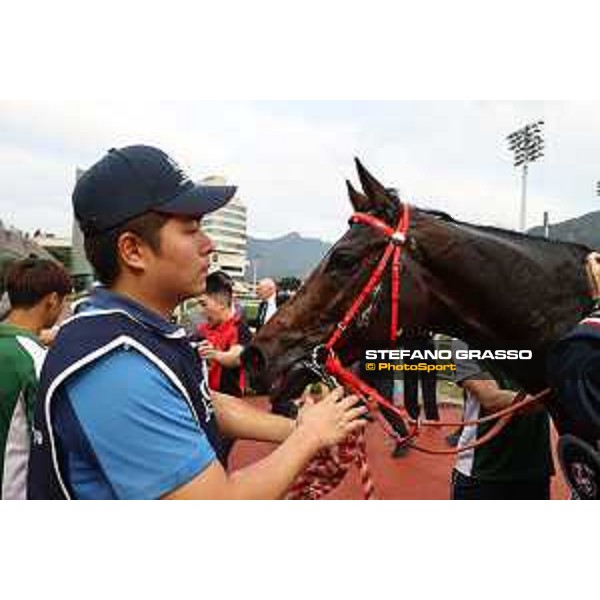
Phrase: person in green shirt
(37,290)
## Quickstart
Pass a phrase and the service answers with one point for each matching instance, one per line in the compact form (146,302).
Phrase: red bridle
(393,251)
(328,470)
(331,367)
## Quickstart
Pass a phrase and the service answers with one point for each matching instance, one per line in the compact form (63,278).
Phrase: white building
(59,247)
(227,228)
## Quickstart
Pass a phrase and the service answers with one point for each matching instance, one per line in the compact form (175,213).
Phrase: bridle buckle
(398,238)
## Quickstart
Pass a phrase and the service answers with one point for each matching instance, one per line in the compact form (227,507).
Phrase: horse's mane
(522,238)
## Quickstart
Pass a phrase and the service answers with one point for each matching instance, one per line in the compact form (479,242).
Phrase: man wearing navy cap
(124,409)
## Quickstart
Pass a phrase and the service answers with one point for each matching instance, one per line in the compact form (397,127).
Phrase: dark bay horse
(484,285)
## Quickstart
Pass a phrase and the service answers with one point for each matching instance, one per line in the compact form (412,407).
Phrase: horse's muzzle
(283,381)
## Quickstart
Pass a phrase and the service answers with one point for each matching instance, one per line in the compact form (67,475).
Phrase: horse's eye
(343,260)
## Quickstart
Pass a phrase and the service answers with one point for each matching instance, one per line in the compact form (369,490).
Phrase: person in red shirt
(224,336)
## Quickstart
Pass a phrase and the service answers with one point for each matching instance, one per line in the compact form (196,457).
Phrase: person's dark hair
(219,284)
(101,248)
(31,279)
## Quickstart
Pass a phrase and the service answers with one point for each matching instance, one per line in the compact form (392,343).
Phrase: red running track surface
(416,476)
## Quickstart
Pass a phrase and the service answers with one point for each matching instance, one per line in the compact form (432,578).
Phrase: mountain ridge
(293,255)
(579,230)
(289,255)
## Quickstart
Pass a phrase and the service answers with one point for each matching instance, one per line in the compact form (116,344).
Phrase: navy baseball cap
(134,180)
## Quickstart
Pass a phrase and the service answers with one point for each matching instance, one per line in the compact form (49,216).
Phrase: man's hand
(207,351)
(229,359)
(330,421)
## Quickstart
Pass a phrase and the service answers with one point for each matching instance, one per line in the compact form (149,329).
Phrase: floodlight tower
(527,144)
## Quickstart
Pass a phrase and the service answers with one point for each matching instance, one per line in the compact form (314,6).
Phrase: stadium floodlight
(527,145)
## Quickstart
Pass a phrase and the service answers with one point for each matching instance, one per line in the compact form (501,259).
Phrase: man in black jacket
(267,292)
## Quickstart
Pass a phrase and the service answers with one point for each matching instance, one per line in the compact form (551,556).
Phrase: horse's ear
(377,193)
(369,184)
(359,201)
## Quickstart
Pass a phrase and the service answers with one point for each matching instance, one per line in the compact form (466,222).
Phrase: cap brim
(199,200)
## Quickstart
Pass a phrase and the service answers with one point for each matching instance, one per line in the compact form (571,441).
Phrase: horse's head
(306,321)
(477,283)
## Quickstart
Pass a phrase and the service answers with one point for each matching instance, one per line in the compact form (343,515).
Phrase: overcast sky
(290,159)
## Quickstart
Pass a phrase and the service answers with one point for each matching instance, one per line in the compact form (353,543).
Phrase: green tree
(289,284)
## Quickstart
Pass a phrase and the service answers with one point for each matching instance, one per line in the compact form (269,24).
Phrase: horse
(484,285)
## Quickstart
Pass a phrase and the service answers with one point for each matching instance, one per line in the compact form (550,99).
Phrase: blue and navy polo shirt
(125,430)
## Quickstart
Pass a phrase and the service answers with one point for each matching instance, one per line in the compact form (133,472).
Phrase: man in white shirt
(267,292)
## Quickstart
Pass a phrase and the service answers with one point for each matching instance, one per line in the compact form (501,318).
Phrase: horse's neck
(524,305)
(531,295)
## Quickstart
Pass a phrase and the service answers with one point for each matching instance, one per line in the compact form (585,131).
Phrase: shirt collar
(104,299)
(8,329)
